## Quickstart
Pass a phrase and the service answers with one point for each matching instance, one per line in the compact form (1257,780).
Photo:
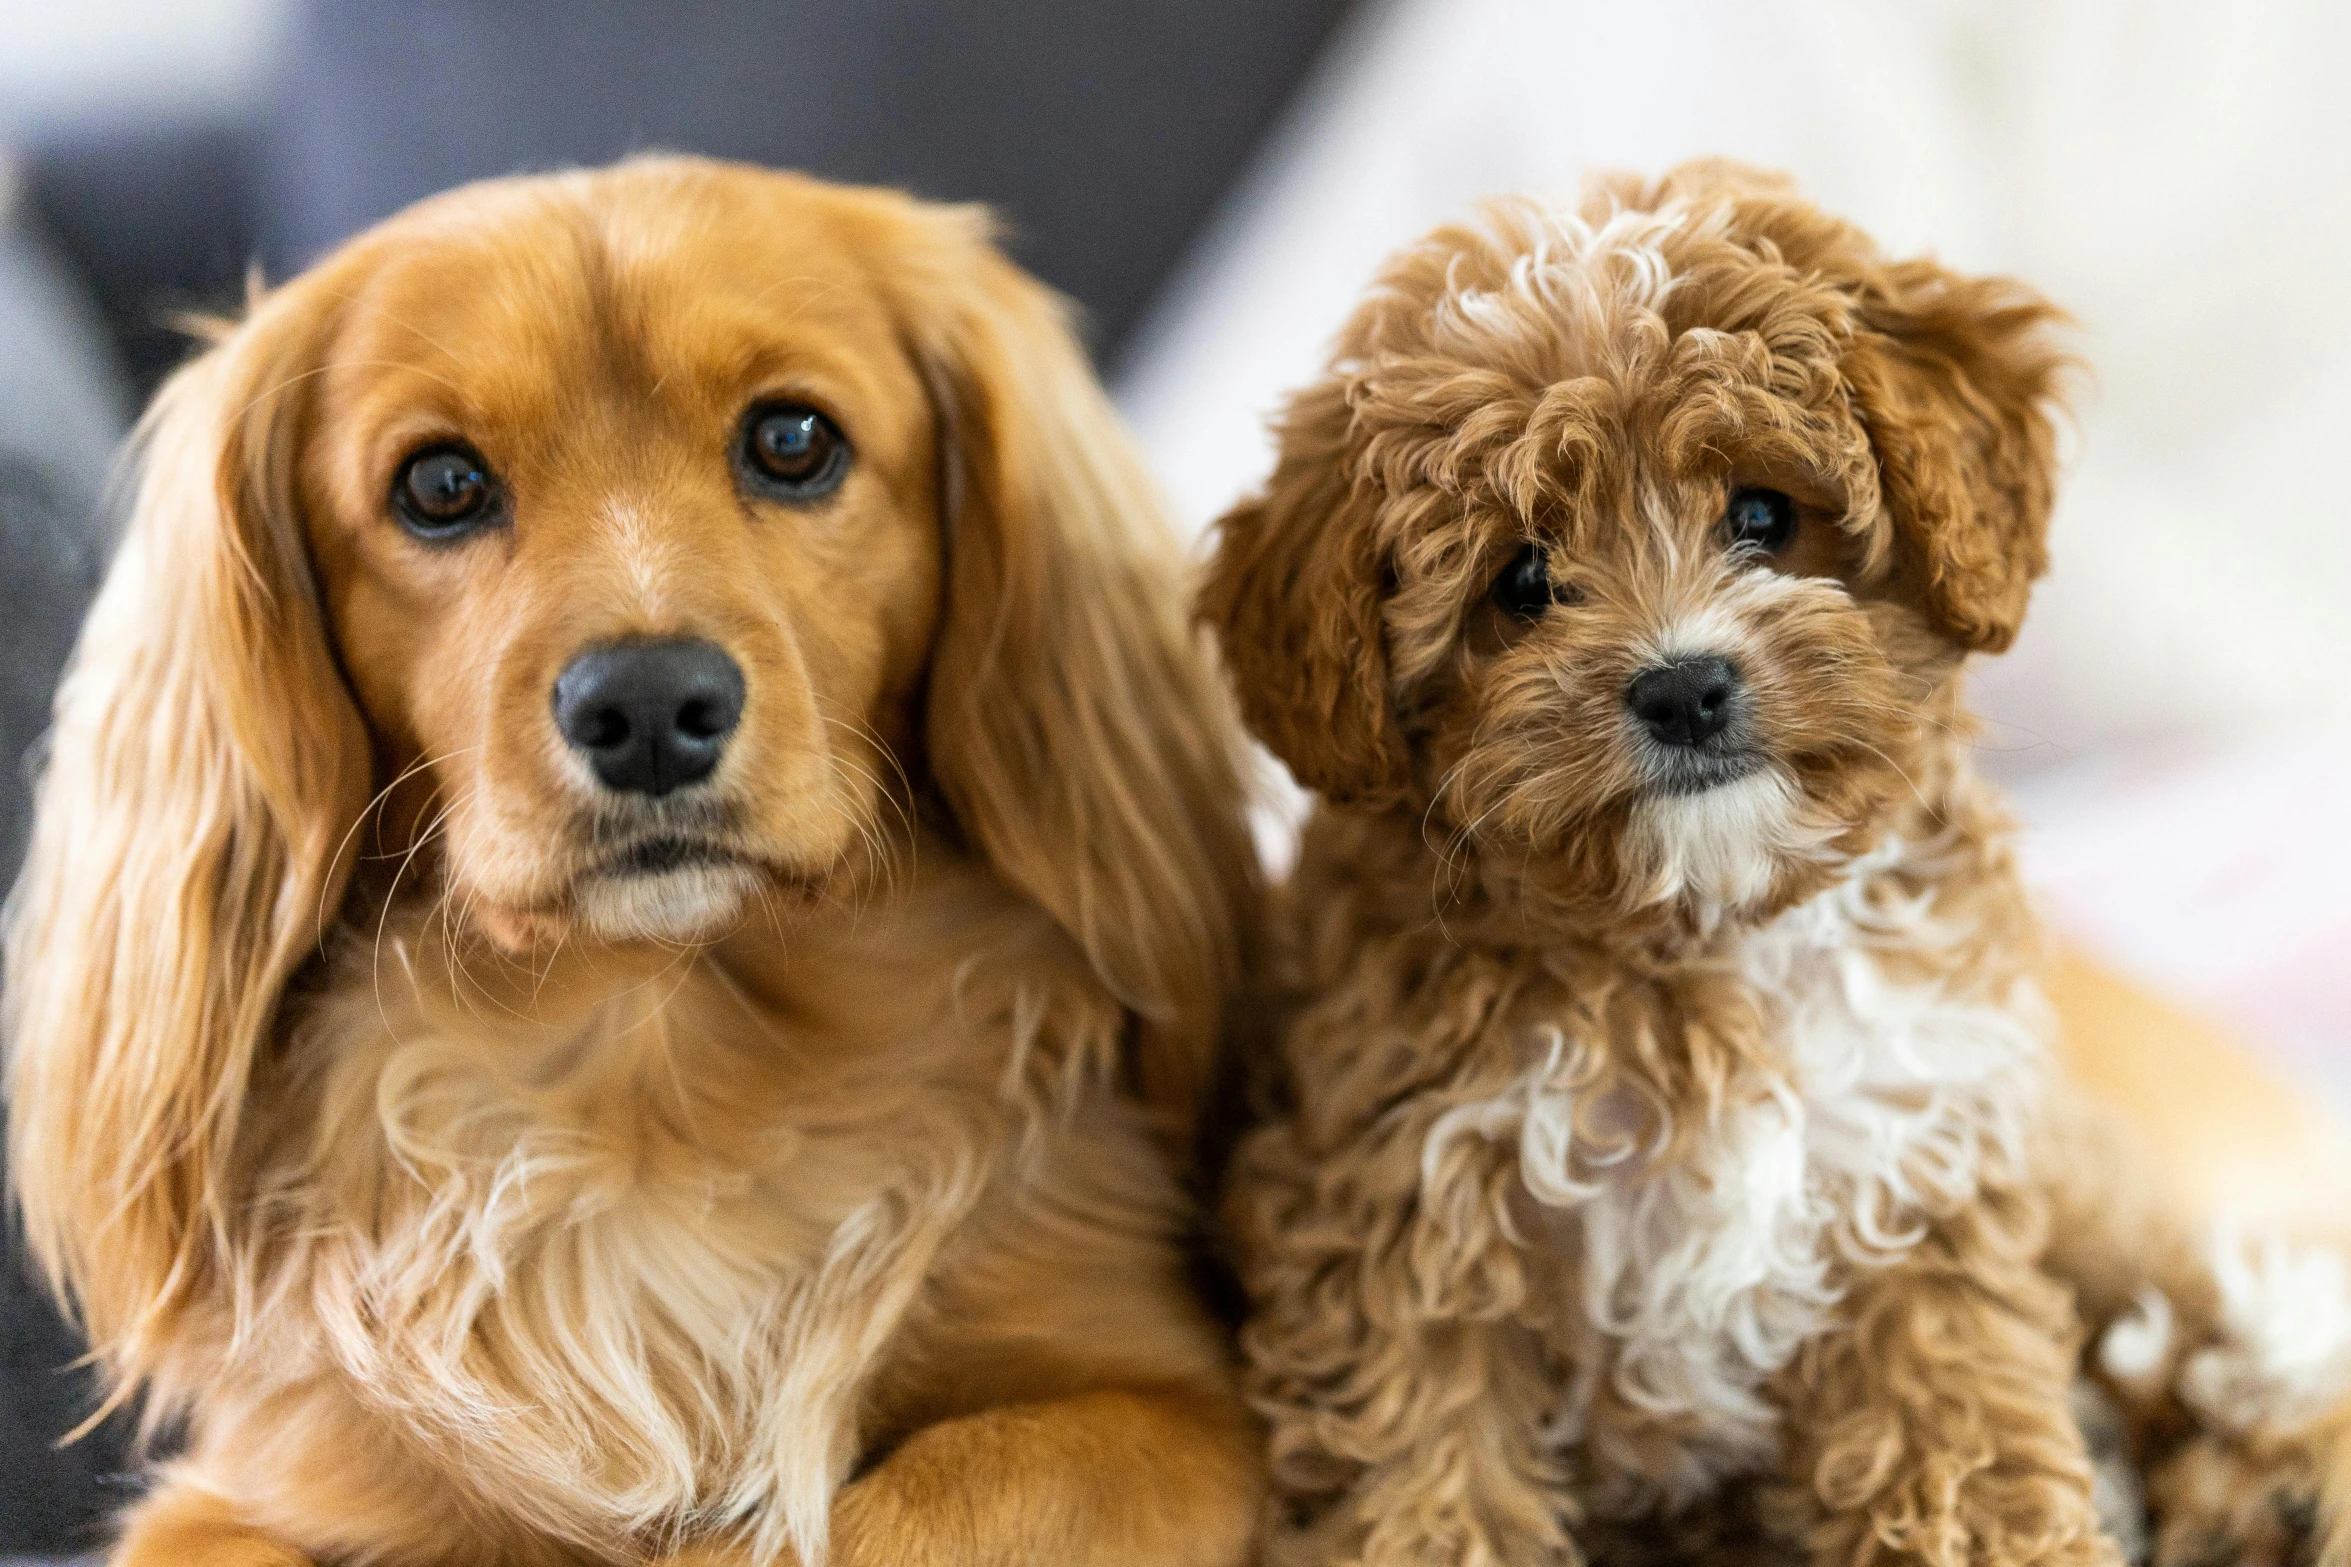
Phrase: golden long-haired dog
(631,905)
(1664,1117)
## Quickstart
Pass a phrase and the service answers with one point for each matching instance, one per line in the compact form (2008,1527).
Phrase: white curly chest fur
(1691,1281)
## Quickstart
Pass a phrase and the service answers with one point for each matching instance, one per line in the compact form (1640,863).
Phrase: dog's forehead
(539,287)
(1599,382)
(523,312)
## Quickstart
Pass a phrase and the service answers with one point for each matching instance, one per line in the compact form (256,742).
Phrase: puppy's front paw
(2224,1502)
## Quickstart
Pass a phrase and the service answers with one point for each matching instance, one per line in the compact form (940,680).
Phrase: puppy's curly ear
(203,768)
(1955,380)
(1294,592)
(1074,722)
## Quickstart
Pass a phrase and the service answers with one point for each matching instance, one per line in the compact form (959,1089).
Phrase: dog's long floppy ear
(203,768)
(1074,722)
(1954,378)
(1294,592)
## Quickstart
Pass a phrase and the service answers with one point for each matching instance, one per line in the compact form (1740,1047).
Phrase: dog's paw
(2220,1502)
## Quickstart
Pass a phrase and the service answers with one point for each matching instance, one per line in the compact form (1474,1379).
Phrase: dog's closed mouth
(1688,772)
(662,855)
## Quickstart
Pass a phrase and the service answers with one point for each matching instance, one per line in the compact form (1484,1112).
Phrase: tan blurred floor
(2239,1138)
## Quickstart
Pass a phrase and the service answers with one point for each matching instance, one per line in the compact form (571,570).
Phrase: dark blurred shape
(60,416)
(156,217)
(1104,133)
(56,1500)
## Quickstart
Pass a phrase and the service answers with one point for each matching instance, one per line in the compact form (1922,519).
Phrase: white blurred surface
(60,57)
(2216,874)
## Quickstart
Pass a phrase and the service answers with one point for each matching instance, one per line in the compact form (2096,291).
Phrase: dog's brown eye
(443,491)
(1525,588)
(793,452)
(1765,519)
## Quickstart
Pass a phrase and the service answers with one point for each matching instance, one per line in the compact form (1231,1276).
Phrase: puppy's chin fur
(679,905)
(1721,850)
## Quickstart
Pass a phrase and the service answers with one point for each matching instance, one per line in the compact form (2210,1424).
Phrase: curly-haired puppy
(633,893)
(1662,1115)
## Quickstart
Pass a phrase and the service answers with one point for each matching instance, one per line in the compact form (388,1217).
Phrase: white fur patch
(672,906)
(2286,1355)
(1715,629)
(2137,1344)
(1720,623)
(1701,1277)
(1722,847)
(642,560)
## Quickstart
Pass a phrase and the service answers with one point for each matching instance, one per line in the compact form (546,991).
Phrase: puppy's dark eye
(444,491)
(793,452)
(1765,519)
(1525,588)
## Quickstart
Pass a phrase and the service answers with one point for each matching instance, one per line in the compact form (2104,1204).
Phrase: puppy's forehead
(1602,378)
(522,311)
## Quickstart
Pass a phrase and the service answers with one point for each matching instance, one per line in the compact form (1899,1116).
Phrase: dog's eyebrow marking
(1711,630)
(643,557)
(1721,619)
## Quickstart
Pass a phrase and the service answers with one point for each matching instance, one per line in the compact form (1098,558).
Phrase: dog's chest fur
(635,1271)
(1890,1072)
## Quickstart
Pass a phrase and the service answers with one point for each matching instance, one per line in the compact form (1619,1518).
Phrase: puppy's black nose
(649,716)
(1684,702)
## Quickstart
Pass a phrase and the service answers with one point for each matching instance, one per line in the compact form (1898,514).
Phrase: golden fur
(472,1201)
(1637,1151)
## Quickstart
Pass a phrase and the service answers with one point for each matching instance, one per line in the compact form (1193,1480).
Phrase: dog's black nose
(649,716)
(1684,702)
